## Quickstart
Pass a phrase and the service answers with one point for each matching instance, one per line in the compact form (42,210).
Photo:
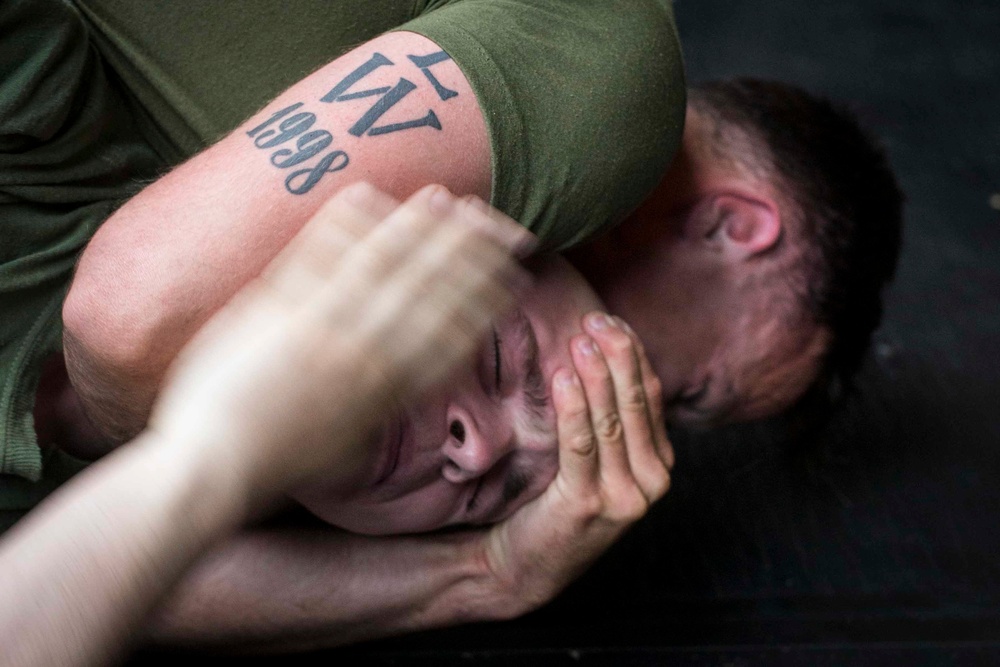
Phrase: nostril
(457,431)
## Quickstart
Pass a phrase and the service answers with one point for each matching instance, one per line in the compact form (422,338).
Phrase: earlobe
(748,225)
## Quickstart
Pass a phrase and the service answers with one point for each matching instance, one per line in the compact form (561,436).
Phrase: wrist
(486,595)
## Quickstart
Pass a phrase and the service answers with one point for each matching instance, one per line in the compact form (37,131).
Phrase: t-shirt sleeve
(583,100)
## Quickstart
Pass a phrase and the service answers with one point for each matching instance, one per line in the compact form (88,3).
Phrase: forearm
(249,411)
(294,590)
(84,569)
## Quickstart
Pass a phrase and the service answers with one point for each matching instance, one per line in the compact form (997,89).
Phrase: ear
(740,225)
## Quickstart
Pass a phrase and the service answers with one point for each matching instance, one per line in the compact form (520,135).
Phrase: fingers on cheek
(576,438)
(653,390)
(619,349)
(570,402)
(654,397)
(590,363)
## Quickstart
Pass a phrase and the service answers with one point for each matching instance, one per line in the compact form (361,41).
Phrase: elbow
(103,326)
(110,359)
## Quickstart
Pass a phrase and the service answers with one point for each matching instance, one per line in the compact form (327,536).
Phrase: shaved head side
(843,202)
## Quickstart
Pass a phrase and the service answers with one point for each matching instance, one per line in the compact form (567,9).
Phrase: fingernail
(358,193)
(599,321)
(441,202)
(586,346)
(596,321)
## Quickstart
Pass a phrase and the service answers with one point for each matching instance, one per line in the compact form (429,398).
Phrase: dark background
(877,540)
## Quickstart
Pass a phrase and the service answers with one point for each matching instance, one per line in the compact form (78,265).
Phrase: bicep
(396,112)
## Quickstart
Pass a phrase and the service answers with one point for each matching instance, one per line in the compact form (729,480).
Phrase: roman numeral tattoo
(289,136)
(389,96)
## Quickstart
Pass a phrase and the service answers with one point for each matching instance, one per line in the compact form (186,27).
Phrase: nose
(474,444)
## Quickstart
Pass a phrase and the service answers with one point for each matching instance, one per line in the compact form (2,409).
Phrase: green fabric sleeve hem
(478,67)
(20,454)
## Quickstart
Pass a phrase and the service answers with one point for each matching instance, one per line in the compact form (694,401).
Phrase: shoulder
(584,103)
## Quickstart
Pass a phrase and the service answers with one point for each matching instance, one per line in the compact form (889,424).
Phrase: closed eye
(496,359)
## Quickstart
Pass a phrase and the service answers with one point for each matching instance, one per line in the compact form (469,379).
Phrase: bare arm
(285,589)
(247,414)
(395,112)
(297,589)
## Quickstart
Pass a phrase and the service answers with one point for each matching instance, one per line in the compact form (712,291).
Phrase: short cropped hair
(845,198)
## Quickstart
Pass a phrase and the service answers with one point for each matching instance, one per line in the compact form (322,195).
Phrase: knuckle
(572,409)
(609,427)
(633,399)
(583,444)
(619,345)
(628,507)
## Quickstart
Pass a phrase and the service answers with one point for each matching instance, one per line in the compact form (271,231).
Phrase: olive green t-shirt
(69,153)
(583,99)
(583,102)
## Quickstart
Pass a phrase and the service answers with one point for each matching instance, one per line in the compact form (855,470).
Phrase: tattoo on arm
(308,145)
(425,63)
(311,142)
(390,96)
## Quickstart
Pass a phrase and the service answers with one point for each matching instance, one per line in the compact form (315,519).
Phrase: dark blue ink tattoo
(330,163)
(289,128)
(277,115)
(337,93)
(401,90)
(425,63)
(308,144)
(390,95)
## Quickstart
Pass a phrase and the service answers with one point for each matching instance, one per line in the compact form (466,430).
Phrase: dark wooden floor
(876,542)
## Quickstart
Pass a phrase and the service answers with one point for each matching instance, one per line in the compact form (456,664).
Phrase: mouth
(392,439)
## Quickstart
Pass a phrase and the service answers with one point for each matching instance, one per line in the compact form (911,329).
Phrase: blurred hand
(370,303)
(614,463)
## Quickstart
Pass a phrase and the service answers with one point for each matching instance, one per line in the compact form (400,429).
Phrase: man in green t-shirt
(505,130)
(476,96)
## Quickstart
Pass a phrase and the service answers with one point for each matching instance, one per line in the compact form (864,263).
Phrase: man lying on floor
(743,346)
(751,271)
(327,339)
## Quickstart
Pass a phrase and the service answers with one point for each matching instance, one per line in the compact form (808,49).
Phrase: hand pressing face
(486,444)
